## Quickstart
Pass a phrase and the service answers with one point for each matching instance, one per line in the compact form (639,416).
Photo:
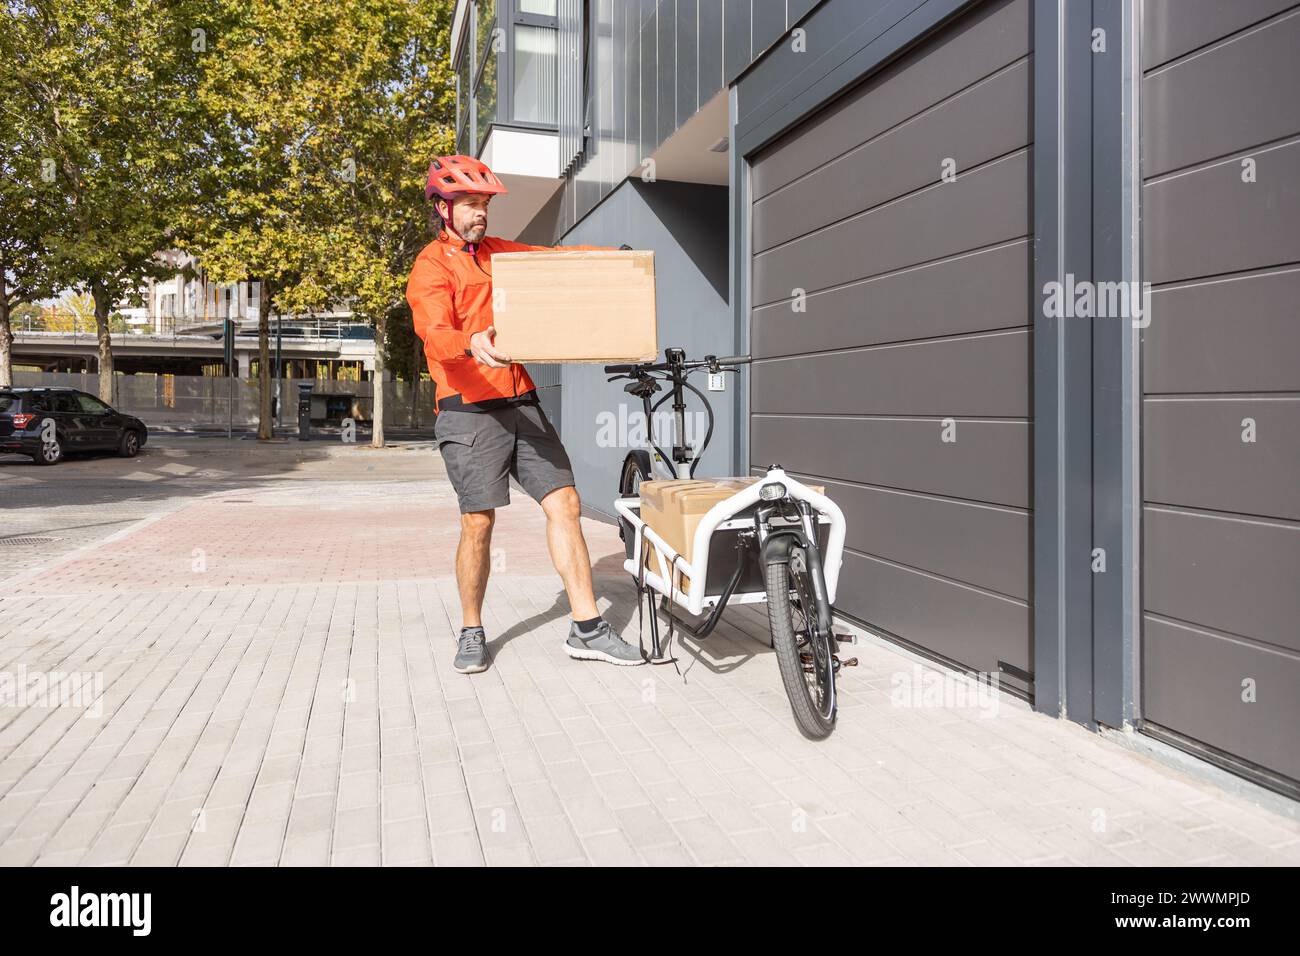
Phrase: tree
(26,216)
(107,86)
(74,312)
(24,276)
(397,112)
(326,117)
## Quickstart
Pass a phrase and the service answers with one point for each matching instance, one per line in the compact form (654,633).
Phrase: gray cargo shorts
(482,449)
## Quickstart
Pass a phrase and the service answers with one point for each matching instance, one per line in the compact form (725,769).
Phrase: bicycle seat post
(676,359)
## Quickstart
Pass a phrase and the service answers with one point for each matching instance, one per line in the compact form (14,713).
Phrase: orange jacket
(450,292)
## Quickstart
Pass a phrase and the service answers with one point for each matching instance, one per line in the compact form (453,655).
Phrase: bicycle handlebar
(668,366)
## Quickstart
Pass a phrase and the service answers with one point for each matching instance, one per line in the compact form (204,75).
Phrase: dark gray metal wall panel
(983,207)
(1227,574)
(768,23)
(975,376)
(796,10)
(1209,221)
(999,37)
(917,312)
(649,87)
(864,50)
(737,19)
(688,79)
(666,85)
(1193,684)
(1236,334)
(950,297)
(1172,28)
(617,121)
(980,545)
(571,58)
(824,32)
(1116,500)
(988,463)
(632,41)
(1231,97)
(1220,588)
(1194,455)
(710,49)
(982,123)
(964,624)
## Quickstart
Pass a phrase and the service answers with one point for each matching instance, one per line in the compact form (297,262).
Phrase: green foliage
(106,135)
(325,117)
(274,139)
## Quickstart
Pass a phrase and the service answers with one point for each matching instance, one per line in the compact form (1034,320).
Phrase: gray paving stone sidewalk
(306,712)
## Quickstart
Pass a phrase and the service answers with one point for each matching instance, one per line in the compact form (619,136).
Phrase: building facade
(1018,277)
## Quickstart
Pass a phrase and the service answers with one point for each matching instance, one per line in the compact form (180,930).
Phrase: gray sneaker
(602,645)
(471,651)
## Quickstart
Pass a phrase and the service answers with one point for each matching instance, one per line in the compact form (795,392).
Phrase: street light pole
(279,392)
(231,358)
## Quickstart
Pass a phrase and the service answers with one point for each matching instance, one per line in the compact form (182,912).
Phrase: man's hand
(481,347)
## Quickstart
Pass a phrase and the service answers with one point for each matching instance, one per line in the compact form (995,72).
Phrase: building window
(485,98)
(463,101)
(508,68)
(535,67)
(485,14)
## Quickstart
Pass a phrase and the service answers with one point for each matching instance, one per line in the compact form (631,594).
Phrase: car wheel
(129,446)
(51,452)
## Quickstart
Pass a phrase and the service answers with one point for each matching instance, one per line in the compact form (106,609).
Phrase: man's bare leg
(593,640)
(569,550)
(473,562)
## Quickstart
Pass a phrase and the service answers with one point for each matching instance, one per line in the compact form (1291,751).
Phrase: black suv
(76,422)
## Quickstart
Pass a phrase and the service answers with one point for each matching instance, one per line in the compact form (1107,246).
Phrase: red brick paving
(392,532)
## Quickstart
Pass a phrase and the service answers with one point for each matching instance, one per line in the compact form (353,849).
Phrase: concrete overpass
(184,352)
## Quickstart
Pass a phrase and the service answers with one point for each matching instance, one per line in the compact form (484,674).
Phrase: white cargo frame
(721,517)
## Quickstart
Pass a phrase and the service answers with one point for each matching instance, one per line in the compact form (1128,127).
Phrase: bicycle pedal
(846,638)
(847,662)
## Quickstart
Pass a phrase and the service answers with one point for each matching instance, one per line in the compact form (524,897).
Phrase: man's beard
(474,233)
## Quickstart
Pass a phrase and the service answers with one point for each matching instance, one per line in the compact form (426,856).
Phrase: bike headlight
(772,491)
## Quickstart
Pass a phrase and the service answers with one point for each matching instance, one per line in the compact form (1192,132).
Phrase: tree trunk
(415,384)
(377,426)
(265,424)
(103,305)
(6,334)
(6,338)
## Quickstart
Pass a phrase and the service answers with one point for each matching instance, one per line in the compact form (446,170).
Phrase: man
(490,425)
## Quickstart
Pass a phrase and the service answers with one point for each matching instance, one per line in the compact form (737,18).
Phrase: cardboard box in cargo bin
(575,305)
(675,507)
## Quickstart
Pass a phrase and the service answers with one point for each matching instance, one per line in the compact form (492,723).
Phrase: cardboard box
(575,305)
(675,508)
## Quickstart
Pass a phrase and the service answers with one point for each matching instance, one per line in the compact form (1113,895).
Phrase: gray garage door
(890,323)
(1221,377)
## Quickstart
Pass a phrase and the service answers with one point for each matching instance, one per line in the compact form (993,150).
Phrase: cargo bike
(767,539)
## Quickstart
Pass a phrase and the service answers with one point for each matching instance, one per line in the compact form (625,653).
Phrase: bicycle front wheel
(805,660)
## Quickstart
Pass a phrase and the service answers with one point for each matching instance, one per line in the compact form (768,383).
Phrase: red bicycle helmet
(452,176)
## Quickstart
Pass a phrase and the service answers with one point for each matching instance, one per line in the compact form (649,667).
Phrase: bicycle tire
(780,615)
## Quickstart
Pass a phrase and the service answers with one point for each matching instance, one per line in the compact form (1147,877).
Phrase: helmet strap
(450,226)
